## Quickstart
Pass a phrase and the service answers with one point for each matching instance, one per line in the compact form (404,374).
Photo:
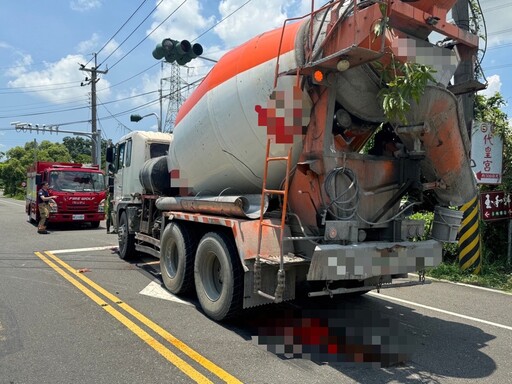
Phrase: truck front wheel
(126,240)
(218,276)
(177,258)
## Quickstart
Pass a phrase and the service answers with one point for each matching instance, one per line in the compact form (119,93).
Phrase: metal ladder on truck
(278,295)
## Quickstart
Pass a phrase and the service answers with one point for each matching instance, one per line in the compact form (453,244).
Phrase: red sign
(495,205)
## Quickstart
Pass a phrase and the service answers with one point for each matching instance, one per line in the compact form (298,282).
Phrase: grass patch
(495,275)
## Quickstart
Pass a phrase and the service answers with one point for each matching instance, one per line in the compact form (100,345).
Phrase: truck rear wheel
(126,240)
(177,253)
(218,276)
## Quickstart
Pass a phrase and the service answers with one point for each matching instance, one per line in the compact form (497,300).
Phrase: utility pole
(35,151)
(465,73)
(96,149)
(160,99)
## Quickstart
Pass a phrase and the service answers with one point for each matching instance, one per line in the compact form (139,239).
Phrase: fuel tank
(154,176)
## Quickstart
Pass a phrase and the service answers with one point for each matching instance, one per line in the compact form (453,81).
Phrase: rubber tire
(95,224)
(177,253)
(218,276)
(126,240)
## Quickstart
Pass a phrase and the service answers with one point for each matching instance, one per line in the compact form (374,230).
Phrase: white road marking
(154,289)
(464,285)
(391,298)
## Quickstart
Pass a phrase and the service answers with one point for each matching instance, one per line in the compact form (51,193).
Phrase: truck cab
(127,159)
(80,191)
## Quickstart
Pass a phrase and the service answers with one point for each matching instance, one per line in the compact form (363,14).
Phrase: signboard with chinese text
(495,205)
(486,153)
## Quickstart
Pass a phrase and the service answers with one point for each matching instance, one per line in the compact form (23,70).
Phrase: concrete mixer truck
(284,172)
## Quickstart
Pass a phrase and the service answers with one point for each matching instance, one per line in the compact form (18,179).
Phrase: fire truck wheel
(177,253)
(126,240)
(218,276)
(95,224)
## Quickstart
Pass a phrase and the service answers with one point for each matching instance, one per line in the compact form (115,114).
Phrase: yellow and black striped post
(470,255)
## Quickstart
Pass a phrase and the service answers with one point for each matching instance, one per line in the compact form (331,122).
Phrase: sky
(43,44)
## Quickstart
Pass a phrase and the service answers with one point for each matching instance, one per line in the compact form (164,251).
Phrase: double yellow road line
(74,278)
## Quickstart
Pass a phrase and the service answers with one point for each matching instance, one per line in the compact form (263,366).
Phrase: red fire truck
(80,189)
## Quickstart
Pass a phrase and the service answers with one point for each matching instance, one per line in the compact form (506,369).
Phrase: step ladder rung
(301,238)
(274,191)
(270,225)
(278,158)
(278,295)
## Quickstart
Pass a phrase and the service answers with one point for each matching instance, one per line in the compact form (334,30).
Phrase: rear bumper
(75,218)
(365,260)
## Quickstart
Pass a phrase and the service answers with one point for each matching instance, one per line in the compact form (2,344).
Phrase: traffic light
(180,51)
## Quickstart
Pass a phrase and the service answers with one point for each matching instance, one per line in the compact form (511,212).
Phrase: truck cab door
(117,193)
(126,180)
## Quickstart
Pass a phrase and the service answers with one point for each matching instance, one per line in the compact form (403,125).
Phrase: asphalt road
(71,311)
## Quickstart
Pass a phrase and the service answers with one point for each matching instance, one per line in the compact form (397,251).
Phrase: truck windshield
(76,181)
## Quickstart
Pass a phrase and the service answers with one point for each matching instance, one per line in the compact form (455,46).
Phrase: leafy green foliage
(79,148)
(494,275)
(12,175)
(14,169)
(405,82)
(427,217)
(383,24)
(450,250)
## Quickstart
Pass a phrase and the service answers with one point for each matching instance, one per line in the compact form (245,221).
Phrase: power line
(500,46)
(130,78)
(152,102)
(72,109)
(35,86)
(72,100)
(138,26)
(149,34)
(114,117)
(38,90)
(122,26)
(499,66)
(499,32)
(213,26)
(497,7)
(41,105)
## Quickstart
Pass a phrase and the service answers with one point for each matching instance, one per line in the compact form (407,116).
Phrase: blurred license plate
(78,217)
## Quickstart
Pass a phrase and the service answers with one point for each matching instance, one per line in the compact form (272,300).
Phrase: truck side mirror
(110,154)
(110,181)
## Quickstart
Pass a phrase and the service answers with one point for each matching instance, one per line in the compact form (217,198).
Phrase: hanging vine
(403,81)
